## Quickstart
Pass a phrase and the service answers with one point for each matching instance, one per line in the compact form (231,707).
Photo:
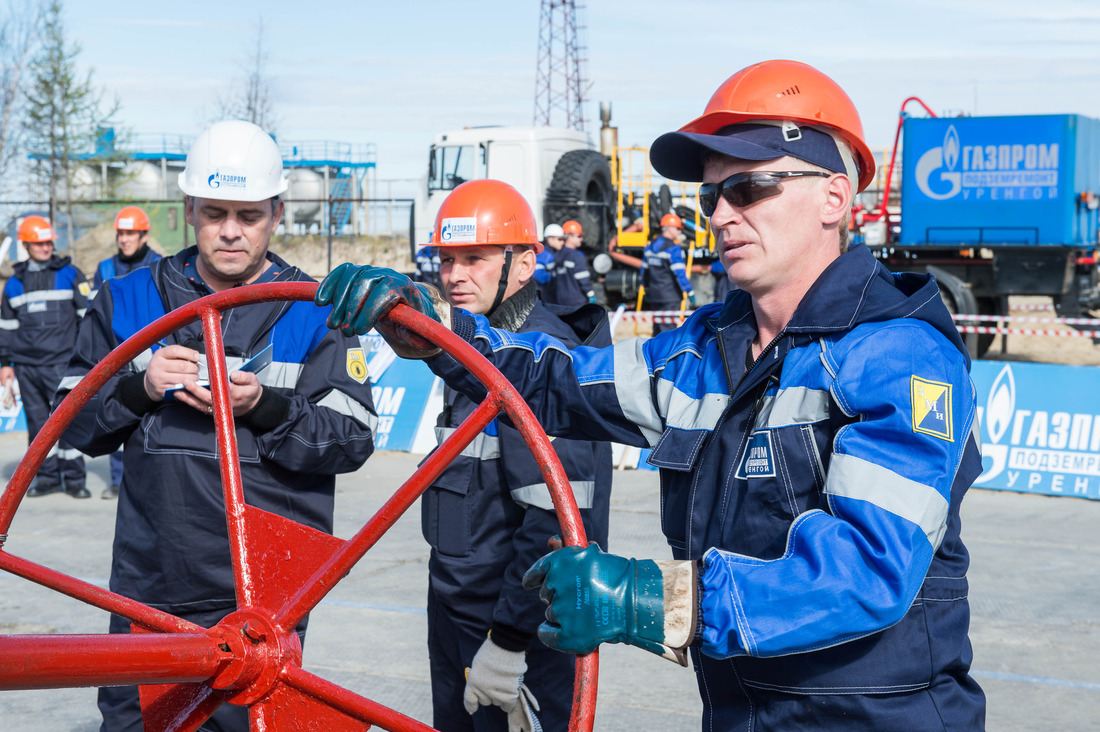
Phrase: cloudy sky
(395,73)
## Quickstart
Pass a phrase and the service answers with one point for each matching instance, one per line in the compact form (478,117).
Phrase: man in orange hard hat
(132,236)
(40,312)
(813,434)
(489,515)
(574,234)
(664,272)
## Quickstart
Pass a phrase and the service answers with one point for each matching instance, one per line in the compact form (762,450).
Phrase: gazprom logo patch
(459,230)
(226,180)
(759,460)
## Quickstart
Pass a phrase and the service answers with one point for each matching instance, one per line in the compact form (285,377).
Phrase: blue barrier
(1039,427)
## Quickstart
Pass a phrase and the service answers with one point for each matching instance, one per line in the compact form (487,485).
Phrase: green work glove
(691,299)
(594,597)
(361,296)
(495,677)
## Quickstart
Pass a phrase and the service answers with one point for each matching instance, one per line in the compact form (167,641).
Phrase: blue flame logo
(951,148)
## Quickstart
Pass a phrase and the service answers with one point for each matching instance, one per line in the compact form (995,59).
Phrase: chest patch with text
(759,460)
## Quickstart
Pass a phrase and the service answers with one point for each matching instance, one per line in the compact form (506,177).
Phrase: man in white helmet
(300,421)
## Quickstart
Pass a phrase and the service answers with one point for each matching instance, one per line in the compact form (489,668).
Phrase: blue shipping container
(1000,181)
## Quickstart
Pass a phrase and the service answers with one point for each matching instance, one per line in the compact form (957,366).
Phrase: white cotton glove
(496,678)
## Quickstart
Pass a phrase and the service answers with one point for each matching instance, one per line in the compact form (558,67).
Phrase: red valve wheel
(253,657)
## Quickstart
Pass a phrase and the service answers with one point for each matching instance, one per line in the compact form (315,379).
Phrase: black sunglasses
(741,189)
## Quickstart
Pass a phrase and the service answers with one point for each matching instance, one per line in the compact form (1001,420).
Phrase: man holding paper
(301,420)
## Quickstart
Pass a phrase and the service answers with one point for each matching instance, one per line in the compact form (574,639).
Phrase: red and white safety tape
(656,316)
(1026,319)
(1023,331)
(963,322)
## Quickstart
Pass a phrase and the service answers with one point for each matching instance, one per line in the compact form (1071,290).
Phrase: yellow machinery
(632,180)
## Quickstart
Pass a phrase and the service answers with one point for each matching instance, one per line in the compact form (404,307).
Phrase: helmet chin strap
(503,280)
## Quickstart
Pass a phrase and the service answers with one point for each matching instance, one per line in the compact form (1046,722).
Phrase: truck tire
(581,190)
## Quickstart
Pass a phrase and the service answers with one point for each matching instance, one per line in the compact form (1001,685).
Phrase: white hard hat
(552,230)
(233,161)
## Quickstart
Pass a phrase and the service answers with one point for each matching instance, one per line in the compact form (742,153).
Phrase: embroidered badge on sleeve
(931,403)
(357,364)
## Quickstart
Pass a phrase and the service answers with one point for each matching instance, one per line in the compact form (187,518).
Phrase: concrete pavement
(1033,594)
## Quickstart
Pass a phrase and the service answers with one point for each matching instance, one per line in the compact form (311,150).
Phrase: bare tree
(250,97)
(65,115)
(17,34)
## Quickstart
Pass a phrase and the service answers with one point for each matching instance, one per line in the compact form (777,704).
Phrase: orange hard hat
(35,229)
(572,227)
(131,218)
(767,91)
(671,219)
(485,212)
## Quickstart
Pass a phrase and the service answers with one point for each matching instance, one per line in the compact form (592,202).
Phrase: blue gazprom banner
(1040,427)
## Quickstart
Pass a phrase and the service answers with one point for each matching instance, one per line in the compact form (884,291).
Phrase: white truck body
(523,157)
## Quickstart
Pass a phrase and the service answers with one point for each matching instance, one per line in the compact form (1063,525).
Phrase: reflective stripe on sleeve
(686,413)
(281,374)
(341,403)
(632,381)
(482,447)
(538,494)
(68,383)
(9,324)
(858,479)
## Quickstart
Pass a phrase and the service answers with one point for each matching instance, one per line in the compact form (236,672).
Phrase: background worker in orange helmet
(40,312)
(664,271)
(132,236)
(813,432)
(574,234)
(489,515)
(565,277)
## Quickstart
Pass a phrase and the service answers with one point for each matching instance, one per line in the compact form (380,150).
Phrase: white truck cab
(523,157)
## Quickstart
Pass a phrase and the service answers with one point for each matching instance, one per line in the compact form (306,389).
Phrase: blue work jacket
(116,266)
(664,271)
(488,517)
(40,312)
(819,489)
(171,545)
(568,281)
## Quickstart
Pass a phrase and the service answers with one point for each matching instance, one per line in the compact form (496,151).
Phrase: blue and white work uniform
(427,266)
(488,518)
(819,487)
(314,420)
(40,313)
(568,281)
(664,276)
(111,267)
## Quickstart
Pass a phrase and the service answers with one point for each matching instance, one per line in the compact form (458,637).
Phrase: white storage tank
(140,180)
(304,196)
